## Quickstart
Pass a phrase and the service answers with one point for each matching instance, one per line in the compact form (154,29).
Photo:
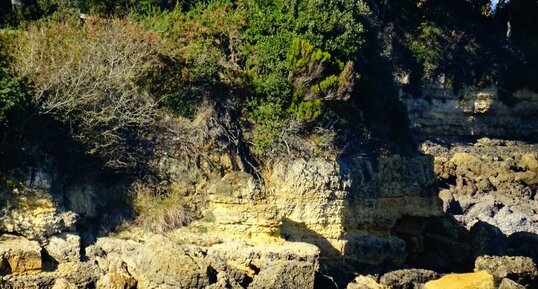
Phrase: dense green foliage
(280,61)
(13,92)
(299,76)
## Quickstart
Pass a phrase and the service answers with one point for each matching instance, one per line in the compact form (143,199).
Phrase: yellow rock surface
(477,280)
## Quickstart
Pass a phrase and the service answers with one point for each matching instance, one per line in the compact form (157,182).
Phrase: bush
(427,47)
(13,90)
(96,79)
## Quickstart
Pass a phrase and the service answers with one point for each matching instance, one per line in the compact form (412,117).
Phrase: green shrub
(427,46)
(13,89)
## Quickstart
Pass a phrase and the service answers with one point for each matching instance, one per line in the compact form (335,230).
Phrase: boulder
(477,280)
(19,255)
(364,282)
(520,269)
(285,265)
(509,284)
(283,275)
(487,240)
(64,247)
(407,279)
(63,284)
(524,244)
(161,263)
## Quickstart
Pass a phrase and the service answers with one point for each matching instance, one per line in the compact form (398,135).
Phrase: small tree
(95,78)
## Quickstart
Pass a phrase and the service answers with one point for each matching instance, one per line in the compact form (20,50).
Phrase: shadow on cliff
(38,153)
(331,260)
(437,243)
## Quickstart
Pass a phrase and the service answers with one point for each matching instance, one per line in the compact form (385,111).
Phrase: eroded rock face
(346,208)
(472,112)
(492,181)
(67,275)
(64,248)
(32,213)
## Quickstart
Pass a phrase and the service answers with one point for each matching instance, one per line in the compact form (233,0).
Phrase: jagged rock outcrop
(151,264)
(519,269)
(492,181)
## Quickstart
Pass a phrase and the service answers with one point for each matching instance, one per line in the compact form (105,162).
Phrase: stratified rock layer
(472,112)
(347,208)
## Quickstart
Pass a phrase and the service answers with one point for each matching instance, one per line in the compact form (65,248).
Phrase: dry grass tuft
(159,212)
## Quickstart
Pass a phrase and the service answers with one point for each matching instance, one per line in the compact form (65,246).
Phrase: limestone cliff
(471,112)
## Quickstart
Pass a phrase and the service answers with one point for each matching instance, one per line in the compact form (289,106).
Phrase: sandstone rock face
(492,181)
(295,264)
(478,280)
(346,208)
(519,269)
(18,255)
(32,213)
(472,112)
(163,264)
(68,275)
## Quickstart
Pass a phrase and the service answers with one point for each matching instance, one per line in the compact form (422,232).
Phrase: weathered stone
(225,282)
(283,275)
(64,247)
(471,112)
(32,213)
(407,279)
(478,280)
(364,282)
(487,240)
(520,269)
(509,284)
(77,275)
(63,284)
(116,281)
(492,181)
(160,262)
(270,260)
(19,255)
